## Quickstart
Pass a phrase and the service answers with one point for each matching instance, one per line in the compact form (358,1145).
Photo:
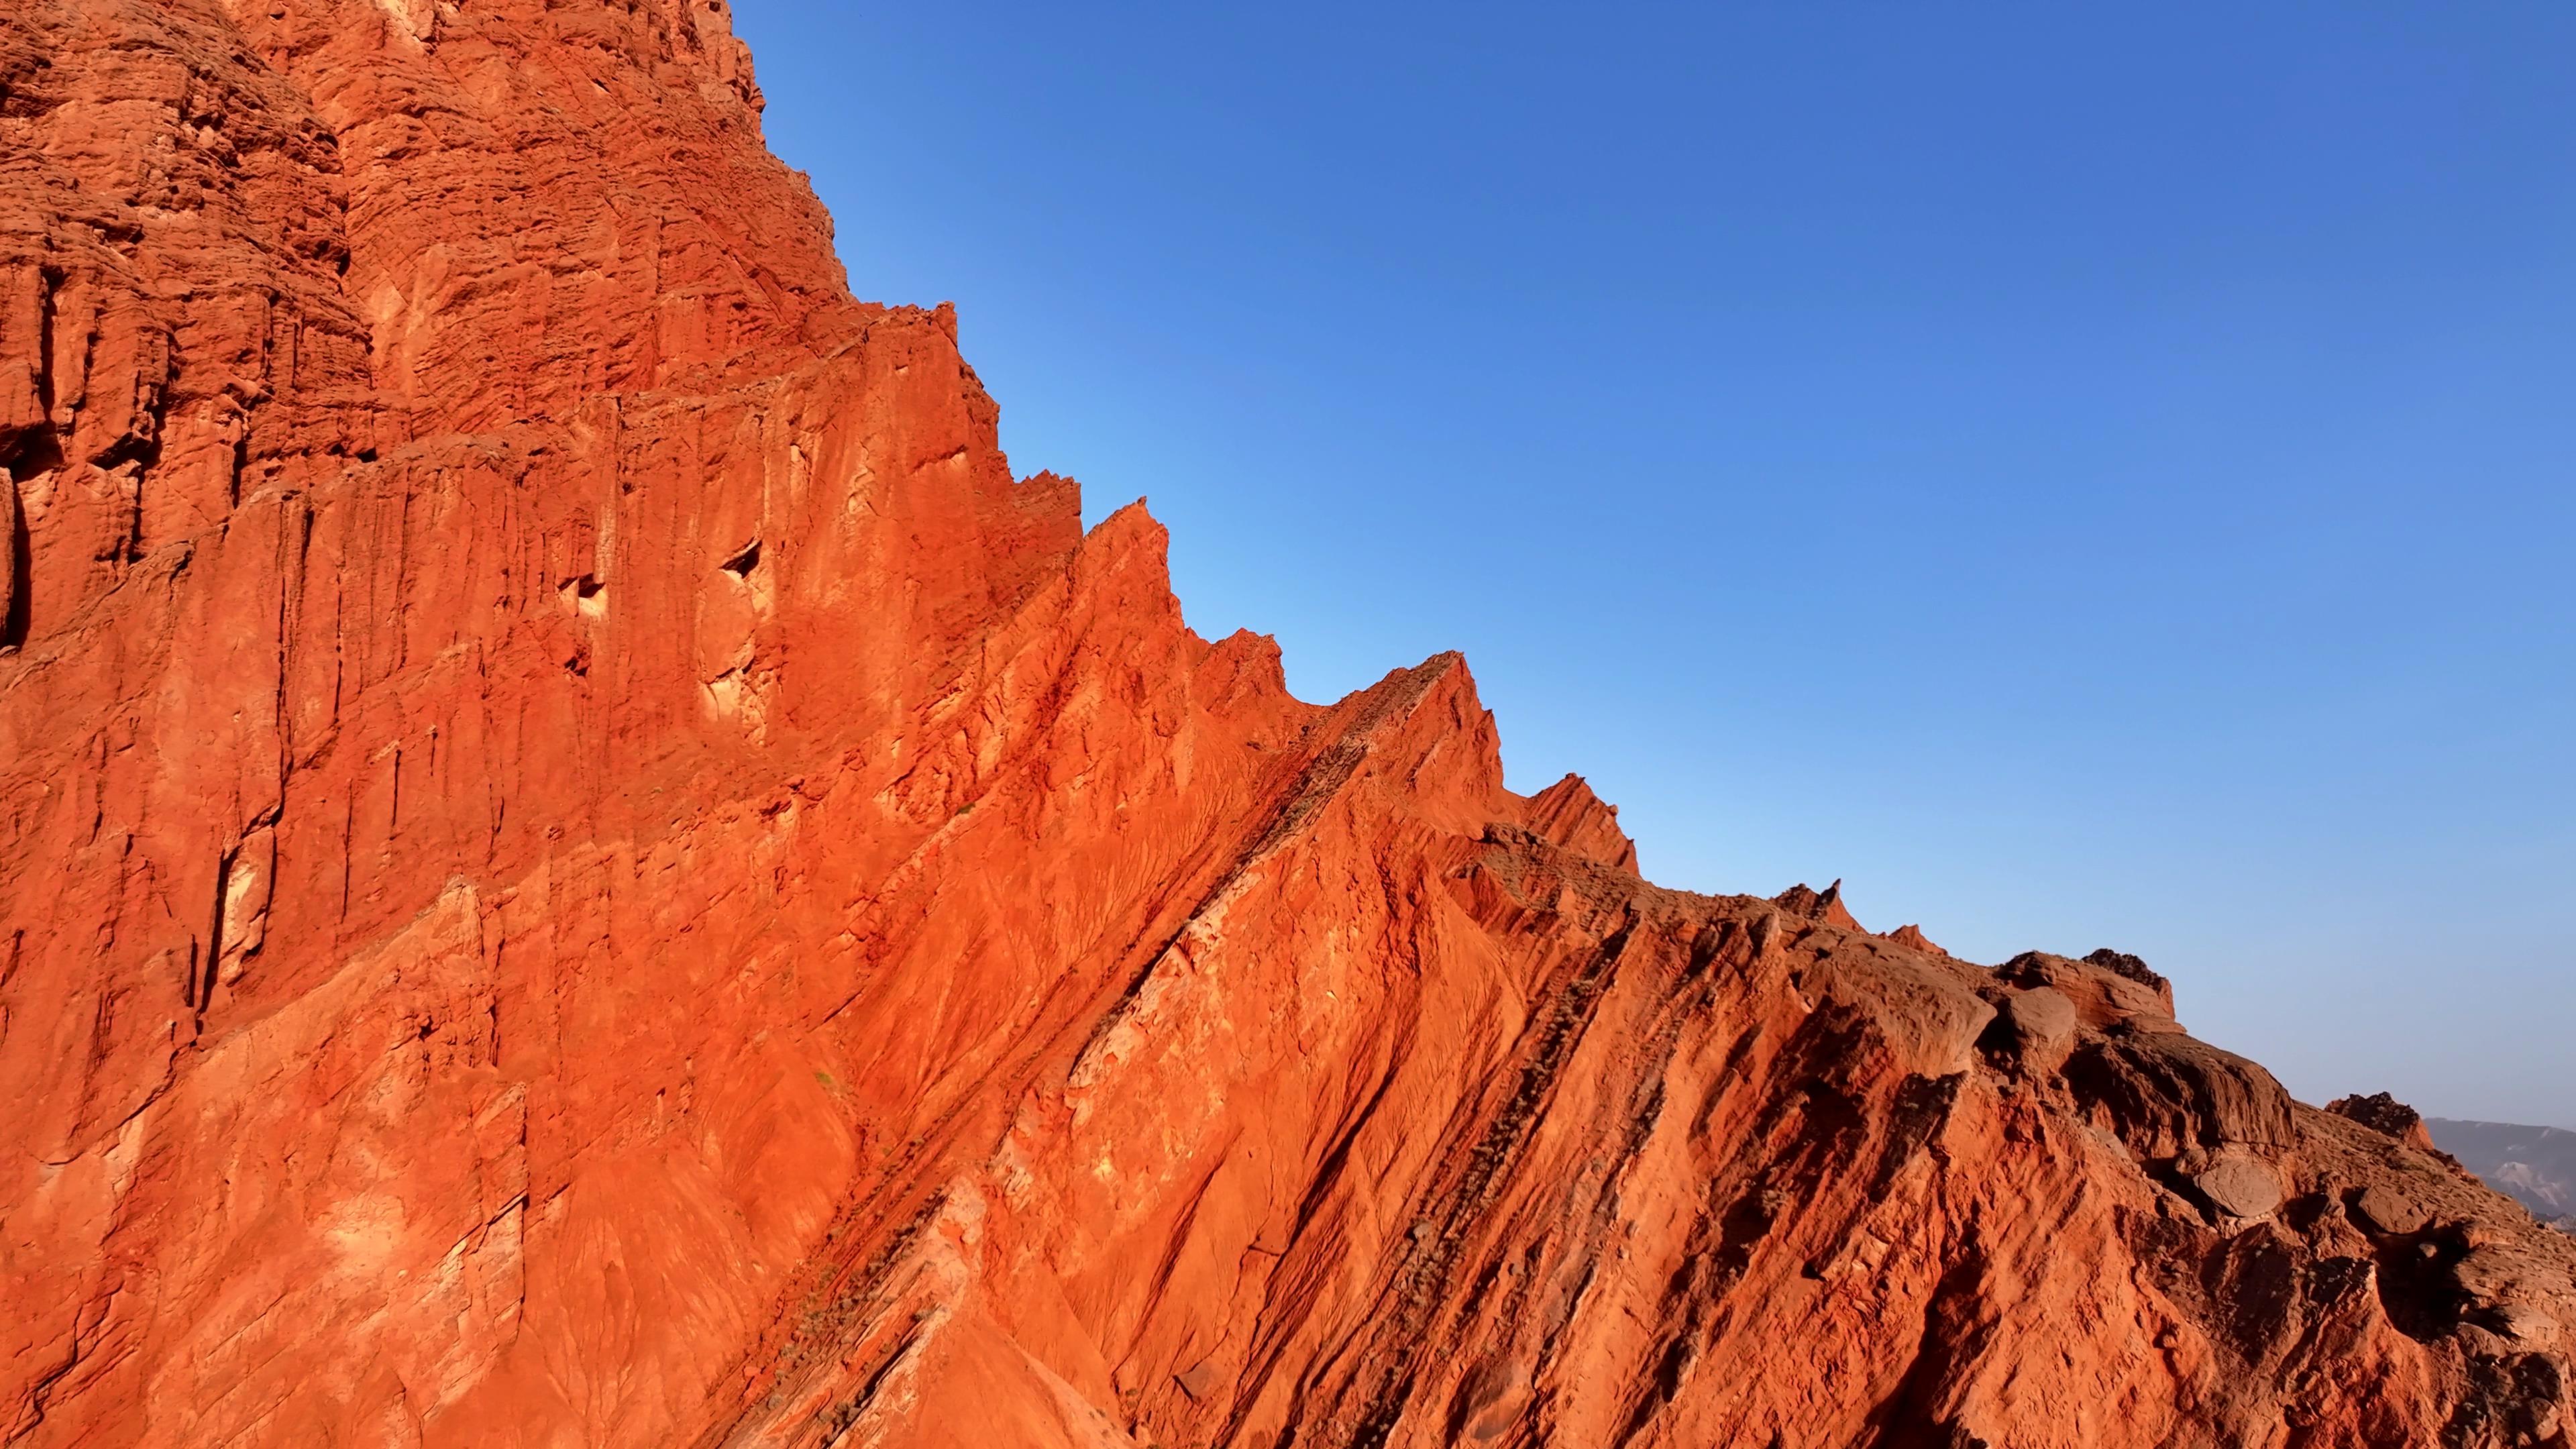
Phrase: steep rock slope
(584,866)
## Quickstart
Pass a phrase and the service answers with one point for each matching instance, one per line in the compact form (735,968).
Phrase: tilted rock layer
(584,866)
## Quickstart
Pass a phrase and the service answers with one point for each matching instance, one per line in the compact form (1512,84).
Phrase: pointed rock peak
(1824,907)
(1912,936)
(1404,691)
(1246,646)
(1128,538)
(1419,678)
(1048,483)
(1570,815)
(1130,520)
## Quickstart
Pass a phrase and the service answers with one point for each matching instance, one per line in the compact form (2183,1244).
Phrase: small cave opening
(37,451)
(28,456)
(586,594)
(14,593)
(743,562)
(2419,1286)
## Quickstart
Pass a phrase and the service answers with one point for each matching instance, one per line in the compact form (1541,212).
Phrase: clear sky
(2083,477)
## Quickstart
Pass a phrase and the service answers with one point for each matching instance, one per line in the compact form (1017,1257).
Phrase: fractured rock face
(2381,1112)
(2166,1094)
(587,865)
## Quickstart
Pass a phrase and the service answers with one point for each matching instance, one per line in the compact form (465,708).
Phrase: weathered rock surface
(2384,1113)
(2239,1184)
(584,866)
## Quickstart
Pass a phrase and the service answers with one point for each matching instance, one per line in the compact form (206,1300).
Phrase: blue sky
(2084,478)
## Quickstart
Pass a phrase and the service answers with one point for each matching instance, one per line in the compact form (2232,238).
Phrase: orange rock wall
(584,866)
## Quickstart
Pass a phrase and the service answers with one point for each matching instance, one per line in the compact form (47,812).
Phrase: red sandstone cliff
(583,866)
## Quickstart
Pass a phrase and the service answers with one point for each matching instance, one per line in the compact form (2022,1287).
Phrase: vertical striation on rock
(584,865)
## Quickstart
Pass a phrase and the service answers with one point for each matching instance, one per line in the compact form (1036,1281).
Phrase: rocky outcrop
(586,866)
(2384,1113)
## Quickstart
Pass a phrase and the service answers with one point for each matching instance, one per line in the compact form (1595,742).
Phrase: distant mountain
(2536,1166)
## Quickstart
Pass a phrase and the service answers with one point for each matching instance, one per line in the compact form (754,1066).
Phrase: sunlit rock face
(585,866)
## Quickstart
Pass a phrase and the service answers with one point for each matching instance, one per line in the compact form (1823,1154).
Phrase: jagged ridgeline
(586,865)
